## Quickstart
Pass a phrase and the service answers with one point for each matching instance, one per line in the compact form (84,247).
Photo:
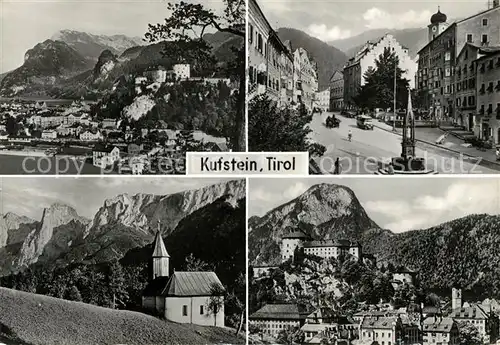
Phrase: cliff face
(53,217)
(144,211)
(122,223)
(325,211)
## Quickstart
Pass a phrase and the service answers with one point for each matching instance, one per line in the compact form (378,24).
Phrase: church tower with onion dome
(438,24)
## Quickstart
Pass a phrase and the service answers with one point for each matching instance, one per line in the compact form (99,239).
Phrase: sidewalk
(452,143)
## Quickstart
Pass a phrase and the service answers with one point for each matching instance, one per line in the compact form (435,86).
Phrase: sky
(23,23)
(331,20)
(397,204)
(28,196)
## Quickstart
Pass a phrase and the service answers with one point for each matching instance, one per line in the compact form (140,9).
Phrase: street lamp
(394,117)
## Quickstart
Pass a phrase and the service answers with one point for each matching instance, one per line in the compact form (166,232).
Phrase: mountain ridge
(328,58)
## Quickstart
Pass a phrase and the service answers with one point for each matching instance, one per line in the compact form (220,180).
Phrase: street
(371,149)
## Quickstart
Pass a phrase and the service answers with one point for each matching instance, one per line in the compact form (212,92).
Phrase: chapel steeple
(160,256)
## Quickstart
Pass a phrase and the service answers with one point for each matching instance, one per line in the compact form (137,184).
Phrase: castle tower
(438,24)
(160,256)
(456,298)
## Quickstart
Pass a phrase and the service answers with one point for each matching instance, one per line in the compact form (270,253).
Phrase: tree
(184,30)
(468,334)
(237,301)
(291,335)
(117,284)
(193,264)
(11,126)
(73,294)
(216,300)
(378,90)
(274,129)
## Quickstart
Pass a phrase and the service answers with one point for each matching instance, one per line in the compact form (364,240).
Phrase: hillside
(463,252)
(76,64)
(23,319)
(44,65)
(324,211)
(414,39)
(327,57)
(122,223)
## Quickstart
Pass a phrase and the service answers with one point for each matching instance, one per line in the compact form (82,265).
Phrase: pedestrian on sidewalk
(338,167)
(390,169)
(497,152)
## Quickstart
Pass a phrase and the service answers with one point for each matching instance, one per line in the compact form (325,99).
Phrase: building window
(485,39)
(201,310)
(250,33)
(447,56)
(184,310)
(469,38)
(485,22)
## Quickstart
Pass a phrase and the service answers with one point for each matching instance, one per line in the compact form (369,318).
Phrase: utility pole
(394,100)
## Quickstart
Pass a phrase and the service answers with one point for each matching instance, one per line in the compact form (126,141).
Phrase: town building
(305,78)
(262,271)
(322,100)
(336,91)
(271,319)
(290,242)
(325,322)
(357,66)
(182,71)
(466,87)
(484,319)
(156,75)
(403,276)
(109,123)
(4,135)
(49,134)
(270,62)
(181,297)
(91,136)
(332,249)
(437,60)
(258,29)
(383,330)
(488,94)
(104,156)
(439,330)
(287,74)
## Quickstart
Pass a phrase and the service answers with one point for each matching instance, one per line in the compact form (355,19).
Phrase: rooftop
(296,235)
(474,312)
(284,311)
(379,322)
(433,324)
(191,284)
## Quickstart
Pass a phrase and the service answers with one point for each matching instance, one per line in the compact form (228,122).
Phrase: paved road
(370,150)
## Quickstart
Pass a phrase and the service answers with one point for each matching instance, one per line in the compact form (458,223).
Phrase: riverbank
(23,153)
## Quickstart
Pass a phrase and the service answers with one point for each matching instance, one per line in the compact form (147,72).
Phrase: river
(19,165)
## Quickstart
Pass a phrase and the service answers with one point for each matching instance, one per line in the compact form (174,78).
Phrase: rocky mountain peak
(13,220)
(4,234)
(324,211)
(56,215)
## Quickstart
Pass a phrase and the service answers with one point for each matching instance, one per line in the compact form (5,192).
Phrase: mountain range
(462,252)
(121,224)
(73,64)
